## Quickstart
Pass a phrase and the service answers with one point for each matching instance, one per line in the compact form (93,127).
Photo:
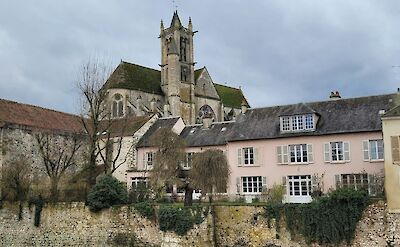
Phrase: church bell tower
(177,68)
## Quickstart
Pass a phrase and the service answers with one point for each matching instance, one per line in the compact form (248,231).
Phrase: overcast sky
(279,52)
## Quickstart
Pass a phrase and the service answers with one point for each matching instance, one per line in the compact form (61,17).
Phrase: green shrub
(140,193)
(145,209)
(326,220)
(107,192)
(179,219)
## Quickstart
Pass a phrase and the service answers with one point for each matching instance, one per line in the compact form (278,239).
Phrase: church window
(117,106)
(183,52)
(205,111)
(184,73)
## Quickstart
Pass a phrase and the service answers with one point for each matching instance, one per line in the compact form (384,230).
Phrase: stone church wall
(73,224)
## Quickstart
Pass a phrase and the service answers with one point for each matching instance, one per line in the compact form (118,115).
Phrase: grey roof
(197,136)
(335,116)
(160,123)
(395,112)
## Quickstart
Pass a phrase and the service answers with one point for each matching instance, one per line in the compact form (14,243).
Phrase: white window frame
(148,160)
(284,154)
(297,123)
(188,162)
(250,185)
(248,156)
(373,150)
(138,180)
(337,149)
(298,188)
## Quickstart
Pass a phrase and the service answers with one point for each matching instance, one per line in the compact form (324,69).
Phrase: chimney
(153,105)
(335,95)
(207,120)
(244,106)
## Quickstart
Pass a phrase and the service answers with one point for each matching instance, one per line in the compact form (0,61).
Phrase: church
(177,89)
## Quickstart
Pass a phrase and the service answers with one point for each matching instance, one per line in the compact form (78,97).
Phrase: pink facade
(267,163)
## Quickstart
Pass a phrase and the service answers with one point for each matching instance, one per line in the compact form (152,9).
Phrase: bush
(145,209)
(139,194)
(107,192)
(326,220)
(179,219)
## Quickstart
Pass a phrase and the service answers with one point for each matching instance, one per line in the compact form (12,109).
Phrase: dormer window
(293,123)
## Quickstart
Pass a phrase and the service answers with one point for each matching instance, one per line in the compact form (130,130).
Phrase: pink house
(306,147)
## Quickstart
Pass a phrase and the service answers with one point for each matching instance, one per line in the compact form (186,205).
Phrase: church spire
(176,22)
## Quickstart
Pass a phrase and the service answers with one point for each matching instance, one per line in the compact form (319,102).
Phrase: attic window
(223,129)
(192,131)
(381,112)
(292,123)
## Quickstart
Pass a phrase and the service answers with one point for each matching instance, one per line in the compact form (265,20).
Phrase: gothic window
(183,52)
(205,111)
(117,108)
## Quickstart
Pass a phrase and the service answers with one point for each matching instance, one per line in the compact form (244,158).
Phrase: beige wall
(391,127)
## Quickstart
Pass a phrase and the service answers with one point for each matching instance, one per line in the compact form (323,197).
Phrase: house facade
(391,136)
(306,147)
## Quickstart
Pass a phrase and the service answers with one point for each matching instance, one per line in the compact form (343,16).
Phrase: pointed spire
(190,25)
(162,25)
(176,22)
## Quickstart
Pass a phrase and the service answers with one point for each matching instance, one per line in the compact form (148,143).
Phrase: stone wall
(74,225)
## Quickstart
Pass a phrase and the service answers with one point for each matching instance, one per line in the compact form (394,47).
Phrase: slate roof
(126,126)
(197,136)
(231,97)
(335,116)
(395,112)
(135,77)
(160,123)
(37,117)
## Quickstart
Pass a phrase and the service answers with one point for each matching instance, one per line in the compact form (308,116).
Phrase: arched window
(117,108)
(205,110)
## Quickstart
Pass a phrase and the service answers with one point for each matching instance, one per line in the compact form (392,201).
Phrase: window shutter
(395,149)
(366,150)
(264,184)
(310,153)
(327,152)
(314,183)
(285,154)
(338,181)
(240,156)
(256,157)
(346,148)
(279,154)
(238,187)
(284,184)
(144,161)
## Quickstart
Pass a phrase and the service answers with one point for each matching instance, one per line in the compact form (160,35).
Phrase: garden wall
(72,224)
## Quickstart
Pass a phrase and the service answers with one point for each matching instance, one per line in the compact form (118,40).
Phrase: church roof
(37,117)
(231,97)
(176,20)
(135,77)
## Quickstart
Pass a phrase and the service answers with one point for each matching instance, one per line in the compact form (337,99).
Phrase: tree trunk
(188,196)
(54,189)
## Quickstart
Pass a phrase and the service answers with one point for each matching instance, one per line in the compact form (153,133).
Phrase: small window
(117,106)
(248,156)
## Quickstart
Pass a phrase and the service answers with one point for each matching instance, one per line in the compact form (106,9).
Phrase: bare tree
(16,180)
(105,141)
(58,153)
(210,172)
(168,160)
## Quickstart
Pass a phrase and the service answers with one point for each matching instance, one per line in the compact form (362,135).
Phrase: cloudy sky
(278,51)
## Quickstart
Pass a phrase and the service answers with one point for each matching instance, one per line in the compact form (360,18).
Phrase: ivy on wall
(327,220)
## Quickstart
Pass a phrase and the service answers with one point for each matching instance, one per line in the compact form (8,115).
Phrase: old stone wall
(72,224)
